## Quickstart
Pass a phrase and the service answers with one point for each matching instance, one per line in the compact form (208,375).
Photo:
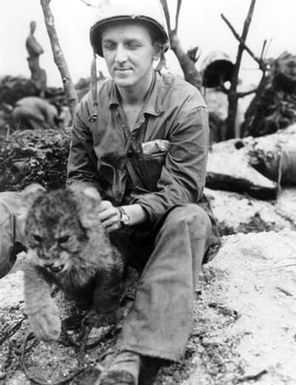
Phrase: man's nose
(121,54)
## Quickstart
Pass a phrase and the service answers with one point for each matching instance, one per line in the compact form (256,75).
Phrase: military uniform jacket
(158,164)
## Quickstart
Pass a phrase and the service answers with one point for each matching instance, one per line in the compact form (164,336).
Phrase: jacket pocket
(149,168)
(155,147)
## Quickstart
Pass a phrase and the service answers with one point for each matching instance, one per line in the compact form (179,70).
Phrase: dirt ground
(244,328)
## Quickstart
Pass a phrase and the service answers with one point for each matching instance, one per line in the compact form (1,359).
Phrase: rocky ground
(244,326)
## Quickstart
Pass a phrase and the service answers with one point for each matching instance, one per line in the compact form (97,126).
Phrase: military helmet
(149,11)
(216,68)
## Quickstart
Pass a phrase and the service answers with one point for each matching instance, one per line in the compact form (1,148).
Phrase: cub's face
(54,233)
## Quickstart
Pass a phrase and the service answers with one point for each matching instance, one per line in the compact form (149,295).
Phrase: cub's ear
(82,191)
(93,193)
(88,199)
(79,189)
(30,194)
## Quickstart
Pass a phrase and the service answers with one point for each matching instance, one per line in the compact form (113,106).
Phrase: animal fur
(68,247)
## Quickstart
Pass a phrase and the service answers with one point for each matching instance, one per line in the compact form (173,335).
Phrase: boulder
(229,169)
(240,213)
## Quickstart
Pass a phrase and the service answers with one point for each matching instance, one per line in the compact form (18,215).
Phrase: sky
(200,25)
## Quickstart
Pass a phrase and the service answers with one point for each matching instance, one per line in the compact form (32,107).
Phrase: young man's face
(129,52)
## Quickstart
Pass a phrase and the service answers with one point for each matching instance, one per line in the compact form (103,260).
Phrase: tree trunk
(59,57)
(232,96)
(191,74)
(232,112)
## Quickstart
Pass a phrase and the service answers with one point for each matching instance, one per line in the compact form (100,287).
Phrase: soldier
(34,49)
(142,140)
(32,112)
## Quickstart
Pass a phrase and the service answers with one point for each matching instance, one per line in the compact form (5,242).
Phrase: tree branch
(87,3)
(167,13)
(177,15)
(58,56)
(263,49)
(243,43)
(232,95)
(246,93)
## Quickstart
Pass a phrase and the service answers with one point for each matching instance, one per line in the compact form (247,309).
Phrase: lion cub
(68,246)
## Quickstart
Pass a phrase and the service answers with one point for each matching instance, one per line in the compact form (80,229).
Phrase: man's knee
(192,215)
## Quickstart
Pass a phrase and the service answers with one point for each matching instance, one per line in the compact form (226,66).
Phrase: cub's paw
(46,325)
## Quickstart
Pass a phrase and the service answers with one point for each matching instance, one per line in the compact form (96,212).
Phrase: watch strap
(124,217)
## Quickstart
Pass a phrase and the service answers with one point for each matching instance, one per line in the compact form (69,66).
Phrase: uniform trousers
(169,257)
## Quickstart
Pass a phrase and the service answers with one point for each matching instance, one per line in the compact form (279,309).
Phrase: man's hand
(109,215)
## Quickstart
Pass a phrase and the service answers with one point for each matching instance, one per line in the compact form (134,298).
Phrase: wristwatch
(124,217)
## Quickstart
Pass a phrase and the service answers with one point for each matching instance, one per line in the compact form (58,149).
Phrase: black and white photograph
(147,192)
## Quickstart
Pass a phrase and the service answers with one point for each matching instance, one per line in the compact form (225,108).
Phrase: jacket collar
(153,104)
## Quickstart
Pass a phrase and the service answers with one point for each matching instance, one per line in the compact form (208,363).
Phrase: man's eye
(109,46)
(133,45)
(63,239)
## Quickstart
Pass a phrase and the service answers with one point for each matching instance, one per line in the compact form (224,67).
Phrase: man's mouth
(122,69)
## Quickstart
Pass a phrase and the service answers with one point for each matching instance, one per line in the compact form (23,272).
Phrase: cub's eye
(63,239)
(37,238)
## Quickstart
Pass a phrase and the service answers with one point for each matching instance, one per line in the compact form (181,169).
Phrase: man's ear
(157,51)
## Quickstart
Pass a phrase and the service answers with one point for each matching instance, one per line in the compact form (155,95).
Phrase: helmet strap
(162,61)
(94,93)
(94,88)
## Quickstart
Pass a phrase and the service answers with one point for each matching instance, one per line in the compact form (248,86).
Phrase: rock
(245,318)
(238,213)
(11,290)
(274,156)
(254,166)
(286,204)
(229,169)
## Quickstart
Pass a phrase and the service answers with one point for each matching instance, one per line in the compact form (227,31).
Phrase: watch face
(125,219)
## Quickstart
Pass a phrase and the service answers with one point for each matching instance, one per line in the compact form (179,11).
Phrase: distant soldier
(38,75)
(32,112)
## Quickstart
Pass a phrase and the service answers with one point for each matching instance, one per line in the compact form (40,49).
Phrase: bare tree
(232,93)
(59,56)
(187,60)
